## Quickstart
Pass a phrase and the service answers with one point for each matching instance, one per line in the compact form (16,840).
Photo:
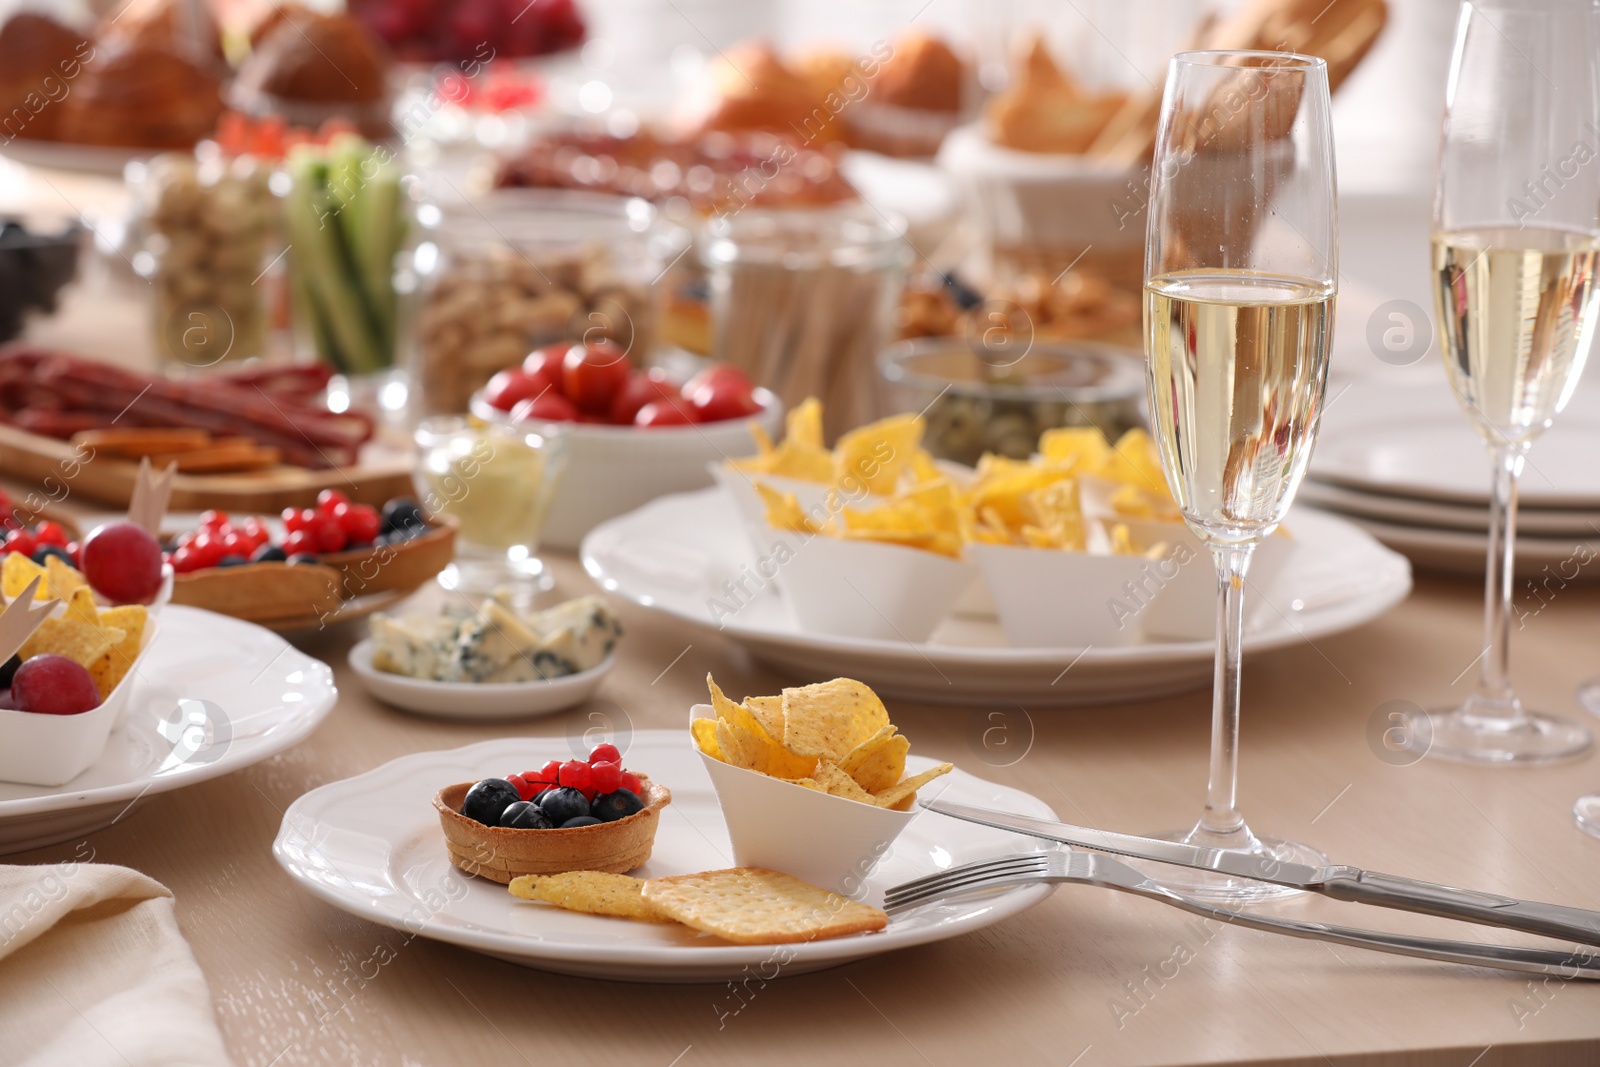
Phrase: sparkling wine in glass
(1516,244)
(1240,277)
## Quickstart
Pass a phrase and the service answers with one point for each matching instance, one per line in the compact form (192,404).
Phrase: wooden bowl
(280,594)
(501,854)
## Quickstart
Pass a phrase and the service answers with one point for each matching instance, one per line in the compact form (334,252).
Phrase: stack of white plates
(1404,463)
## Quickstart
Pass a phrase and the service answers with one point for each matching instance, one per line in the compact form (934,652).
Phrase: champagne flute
(1241,260)
(1516,240)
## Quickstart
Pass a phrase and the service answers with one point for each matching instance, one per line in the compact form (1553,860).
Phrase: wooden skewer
(151,492)
(21,617)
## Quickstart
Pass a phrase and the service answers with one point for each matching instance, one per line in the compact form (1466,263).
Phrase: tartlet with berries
(580,815)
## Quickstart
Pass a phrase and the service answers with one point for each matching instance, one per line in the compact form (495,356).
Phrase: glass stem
(1222,819)
(1495,698)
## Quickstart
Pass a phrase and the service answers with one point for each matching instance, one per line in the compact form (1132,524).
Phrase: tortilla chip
(829,719)
(906,790)
(884,766)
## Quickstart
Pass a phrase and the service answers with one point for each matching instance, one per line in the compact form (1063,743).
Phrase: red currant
(50,533)
(606,754)
(605,776)
(74,550)
(329,499)
(22,541)
(360,522)
(330,537)
(235,543)
(550,772)
(183,561)
(525,788)
(632,784)
(575,774)
(298,519)
(206,549)
(300,543)
(256,530)
(213,519)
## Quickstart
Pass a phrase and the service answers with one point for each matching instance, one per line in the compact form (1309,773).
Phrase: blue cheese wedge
(495,644)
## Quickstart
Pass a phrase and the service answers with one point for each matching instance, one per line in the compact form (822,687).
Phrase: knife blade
(1339,882)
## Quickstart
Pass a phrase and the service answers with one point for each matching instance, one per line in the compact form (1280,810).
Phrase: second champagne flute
(1241,262)
(1515,246)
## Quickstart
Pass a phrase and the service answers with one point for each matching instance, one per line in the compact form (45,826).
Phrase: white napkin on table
(94,971)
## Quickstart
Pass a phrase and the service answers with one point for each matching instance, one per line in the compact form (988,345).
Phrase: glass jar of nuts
(211,238)
(524,268)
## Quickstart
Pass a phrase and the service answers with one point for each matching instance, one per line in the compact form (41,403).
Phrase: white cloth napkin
(94,971)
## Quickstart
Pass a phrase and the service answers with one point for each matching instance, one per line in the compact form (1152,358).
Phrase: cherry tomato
(723,398)
(544,364)
(551,407)
(663,413)
(592,375)
(715,373)
(509,387)
(641,388)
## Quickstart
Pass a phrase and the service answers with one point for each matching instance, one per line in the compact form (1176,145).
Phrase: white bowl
(857,588)
(611,470)
(826,840)
(477,700)
(1050,598)
(51,750)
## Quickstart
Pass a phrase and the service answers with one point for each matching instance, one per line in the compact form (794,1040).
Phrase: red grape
(122,562)
(54,685)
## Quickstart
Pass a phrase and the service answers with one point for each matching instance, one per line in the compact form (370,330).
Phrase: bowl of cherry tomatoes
(632,435)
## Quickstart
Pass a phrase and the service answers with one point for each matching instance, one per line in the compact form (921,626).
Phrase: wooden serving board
(384,472)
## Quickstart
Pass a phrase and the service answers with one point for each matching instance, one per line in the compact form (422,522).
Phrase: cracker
(591,892)
(754,906)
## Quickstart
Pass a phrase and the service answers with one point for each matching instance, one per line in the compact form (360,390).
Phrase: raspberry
(606,776)
(606,754)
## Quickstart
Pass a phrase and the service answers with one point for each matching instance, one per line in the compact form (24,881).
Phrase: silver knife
(1338,882)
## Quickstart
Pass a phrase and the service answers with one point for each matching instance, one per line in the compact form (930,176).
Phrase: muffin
(308,68)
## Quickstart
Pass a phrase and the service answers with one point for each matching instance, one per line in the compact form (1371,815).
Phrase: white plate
(211,695)
(1464,552)
(469,700)
(687,556)
(372,846)
(83,158)
(1472,518)
(1414,440)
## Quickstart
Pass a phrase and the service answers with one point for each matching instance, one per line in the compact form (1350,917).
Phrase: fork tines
(967,876)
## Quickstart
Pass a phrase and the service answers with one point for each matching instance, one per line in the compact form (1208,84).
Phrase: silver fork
(1092,868)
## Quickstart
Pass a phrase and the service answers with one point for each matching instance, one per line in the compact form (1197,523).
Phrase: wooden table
(1088,977)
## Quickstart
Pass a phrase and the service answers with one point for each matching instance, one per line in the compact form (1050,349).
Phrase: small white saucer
(477,700)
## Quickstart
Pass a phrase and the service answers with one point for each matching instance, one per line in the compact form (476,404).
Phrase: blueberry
(488,799)
(359,547)
(582,820)
(402,513)
(563,803)
(232,559)
(7,670)
(268,553)
(524,815)
(610,807)
(303,557)
(44,552)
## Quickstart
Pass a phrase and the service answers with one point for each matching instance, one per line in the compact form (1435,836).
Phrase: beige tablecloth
(93,970)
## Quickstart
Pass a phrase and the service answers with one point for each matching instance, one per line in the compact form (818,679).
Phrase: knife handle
(1430,898)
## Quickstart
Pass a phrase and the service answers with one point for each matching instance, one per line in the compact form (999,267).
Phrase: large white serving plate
(682,555)
(1414,440)
(1466,552)
(266,696)
(83,158)
(372,846)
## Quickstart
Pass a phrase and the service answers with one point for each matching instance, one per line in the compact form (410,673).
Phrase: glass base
(1586,813)
(1515,737)
(1221,888)
(524,579)
(1589,696)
